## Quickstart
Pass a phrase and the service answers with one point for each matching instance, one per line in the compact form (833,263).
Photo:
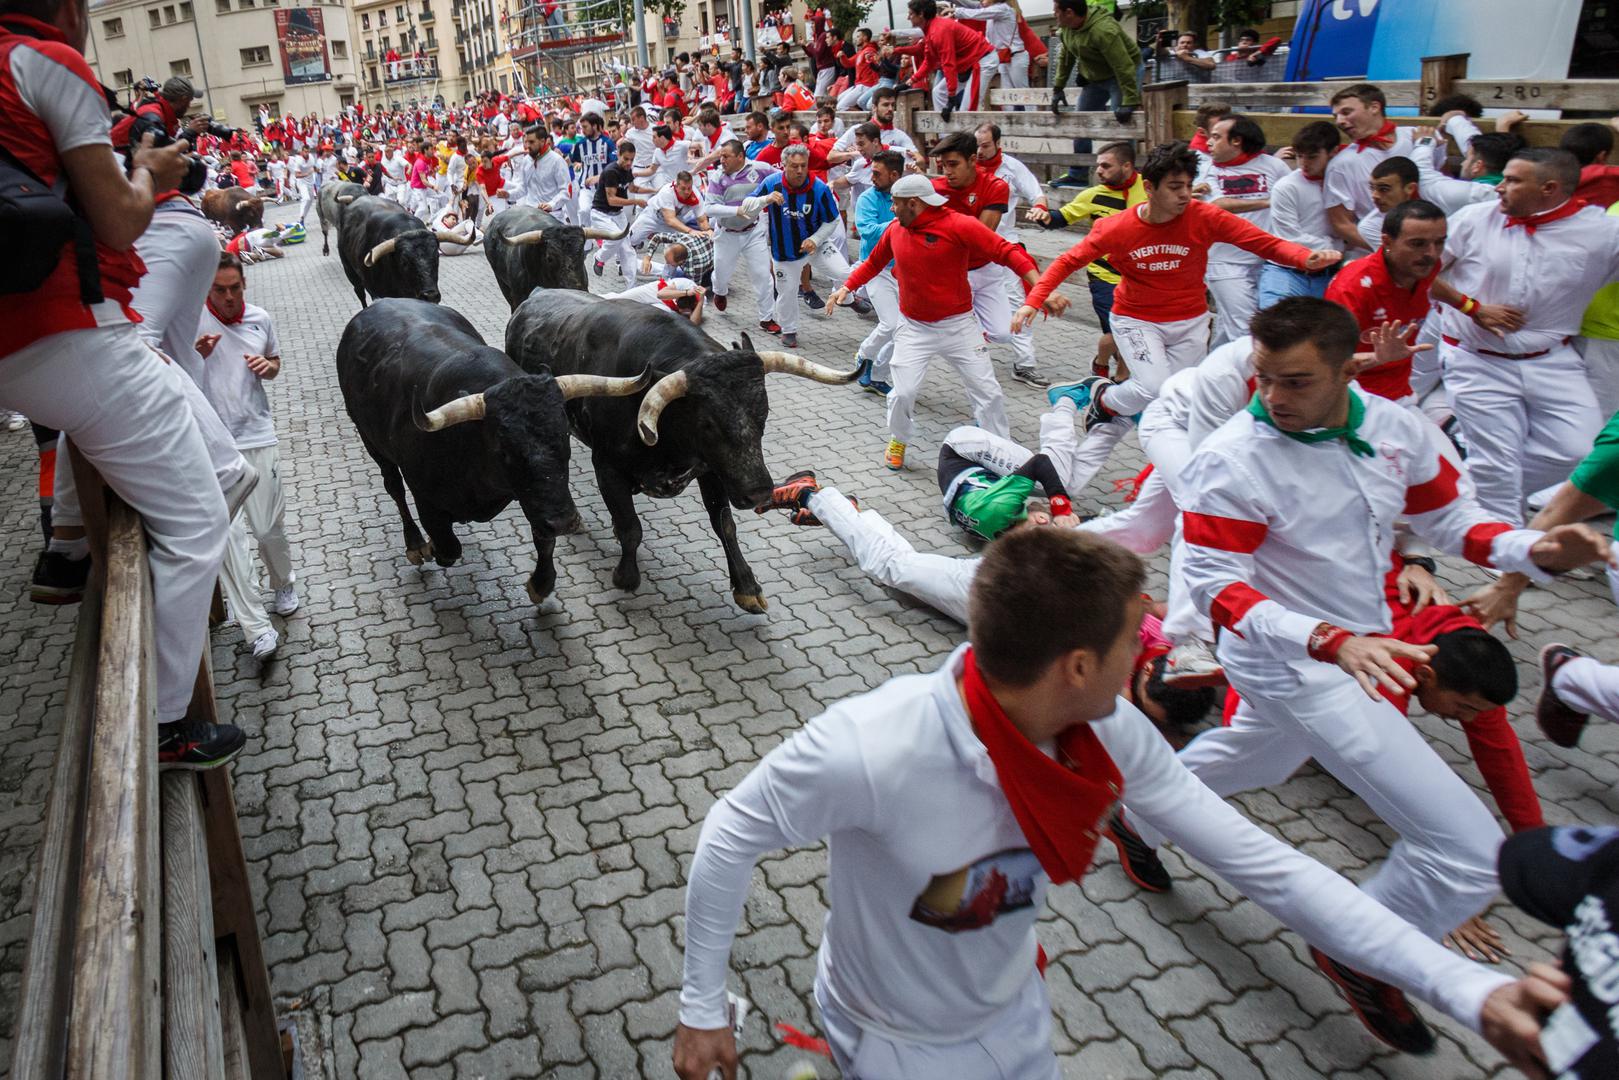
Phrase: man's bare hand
(1419,589)
(1497,602)
(1039,215)
(1323,258)
(1478,941)
(1373,661)
(1566,546)
(1498,319)
(265,367)
(1514,1014)
(808,246)
(205,345)
(1389,344)
(1510,120)
(699,1052)
(839,294)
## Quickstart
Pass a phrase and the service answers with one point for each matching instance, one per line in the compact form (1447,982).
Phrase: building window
(180,67)
(386,43)
(503,84)
(431,44)
(123,80)
(365,20)
(154,18)
(399,13)
(340,50)
(382,18)
(256,56)
(245,4)
(168,15)
(222,7)
(113,28)
(187,12)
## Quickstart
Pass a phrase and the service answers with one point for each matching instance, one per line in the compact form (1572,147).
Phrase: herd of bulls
(469,428)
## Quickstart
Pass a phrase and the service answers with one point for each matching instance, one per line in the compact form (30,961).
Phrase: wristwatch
(1422,561)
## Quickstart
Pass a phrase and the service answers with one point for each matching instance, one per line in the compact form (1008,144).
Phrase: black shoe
(1562,724)
(1140,862)
(719,301)
(1095,413)
(59,579)
(1384,1009)
(812,299)
(186,745)
(860,307)
(789,341)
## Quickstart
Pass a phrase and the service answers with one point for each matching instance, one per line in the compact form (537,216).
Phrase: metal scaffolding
(547,37)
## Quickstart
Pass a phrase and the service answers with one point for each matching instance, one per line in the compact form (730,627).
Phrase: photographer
(69,325)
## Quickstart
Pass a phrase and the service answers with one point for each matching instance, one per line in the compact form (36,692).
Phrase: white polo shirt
(237,394)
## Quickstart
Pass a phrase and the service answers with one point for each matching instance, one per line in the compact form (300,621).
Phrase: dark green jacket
(1103,50)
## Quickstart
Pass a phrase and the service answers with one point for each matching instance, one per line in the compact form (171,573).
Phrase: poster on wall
(303,45)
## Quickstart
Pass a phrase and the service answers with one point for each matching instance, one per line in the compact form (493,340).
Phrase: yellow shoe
(895,458)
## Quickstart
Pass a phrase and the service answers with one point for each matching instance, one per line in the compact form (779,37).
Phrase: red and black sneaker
(187,745)
(770,326)
(1139,860)
(1563,725)
(802,515)
(1383,1008)
(719,301)
(792,493)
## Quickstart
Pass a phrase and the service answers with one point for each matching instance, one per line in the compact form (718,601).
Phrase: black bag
(37,223)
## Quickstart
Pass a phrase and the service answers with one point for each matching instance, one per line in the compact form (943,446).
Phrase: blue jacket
(872,213)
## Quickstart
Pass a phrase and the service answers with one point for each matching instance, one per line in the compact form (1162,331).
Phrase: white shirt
(328,166)
(1348,179)
(892,138)
(1253,179)
(1447,192)
(396,167)
(648,293)
(544,181)
(641,139)
(666,198)
(456,172)
(911,801)
(670,160)
(1298,212)
(1000,24)
(278,169)
(1022,185)
(1550,276)
(302,168)
(237,394)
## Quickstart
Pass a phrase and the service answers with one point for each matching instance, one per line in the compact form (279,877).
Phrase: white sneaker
(1190,665)
(286,600)
(13,421)
(265,644)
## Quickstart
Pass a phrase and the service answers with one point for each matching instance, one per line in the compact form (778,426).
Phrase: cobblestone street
(468,821)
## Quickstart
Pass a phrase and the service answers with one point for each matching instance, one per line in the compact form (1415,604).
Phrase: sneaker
(598,266)
(791,493)
(238,492)
(895,457)
(1140,862)
(1562,724)
(789,341)
(1381,1007)
(1191,665)
(865,372)
(13,421)
(1077,392)
(859,307)
(1031,376)
(719,301)
(812,299)
(876,386)
(265,644)
(286,600)
(1069,179)
(770,326)
(1094,414)
(59,579)
(187,745)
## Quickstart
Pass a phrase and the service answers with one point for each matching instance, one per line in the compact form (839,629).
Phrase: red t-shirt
(1366,289)
(1599,185)
(246,175)
(931,258)
(986,192)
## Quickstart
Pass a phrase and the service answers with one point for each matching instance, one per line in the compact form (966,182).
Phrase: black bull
(398,358)
(529,249)
(387,251)
(702,419)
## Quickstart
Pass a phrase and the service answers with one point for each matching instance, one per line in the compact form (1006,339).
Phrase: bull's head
(407,264)
(250,213)
(557,253)
(720,412)
(526,430)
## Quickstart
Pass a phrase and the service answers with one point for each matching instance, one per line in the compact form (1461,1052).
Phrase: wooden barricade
(143,917)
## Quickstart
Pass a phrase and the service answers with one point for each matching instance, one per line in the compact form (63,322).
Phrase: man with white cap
(931,250)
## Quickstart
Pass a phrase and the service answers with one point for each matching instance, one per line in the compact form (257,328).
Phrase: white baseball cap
(916,187)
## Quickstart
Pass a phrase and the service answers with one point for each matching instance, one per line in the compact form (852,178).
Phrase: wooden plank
(232,1036)
(1161,101)
(113,1029)
(191,1019)
(1245,95)
(1070,125)
(47,977)
(1439,75)
(1281,127)
(1591,94)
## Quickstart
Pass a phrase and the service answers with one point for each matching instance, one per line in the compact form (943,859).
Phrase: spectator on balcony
(392,60)
(1187,52)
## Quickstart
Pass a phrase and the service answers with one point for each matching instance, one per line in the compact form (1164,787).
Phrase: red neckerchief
(1058,802)
(670,304)
(1126,186)
(1240,159)
(991,165)
(683,201)
(1382,140)
(886,127)
(227,322)
(809,182)
(1532,221)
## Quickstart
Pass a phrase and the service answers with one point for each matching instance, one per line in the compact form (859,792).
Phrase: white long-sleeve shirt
(1550,275)
(1298,212)
(542,181)
(1253,179)
(1282,535)
(1000,23)
(1022,185)
(1447,192)
(921,834)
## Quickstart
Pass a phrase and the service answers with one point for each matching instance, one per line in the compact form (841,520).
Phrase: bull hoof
(536,595)
(753,603)
(420,553)
(446,558)
(628,580)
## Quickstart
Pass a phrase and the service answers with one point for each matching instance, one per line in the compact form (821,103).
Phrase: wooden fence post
(1439,73)
(1160,100)
(906,106)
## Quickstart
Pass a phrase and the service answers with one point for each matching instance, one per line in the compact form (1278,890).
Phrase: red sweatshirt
(946,46)
(931,257)
(1161,266)
(864,64)
(1599,185)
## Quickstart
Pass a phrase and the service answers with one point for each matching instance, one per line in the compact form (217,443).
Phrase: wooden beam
(1402,92)
(113,1030)
(1281,127)
(192,1049)
(1072,125)
(231,1033)
(1587,94)
(47,974)
(1439,75)
(1160,100)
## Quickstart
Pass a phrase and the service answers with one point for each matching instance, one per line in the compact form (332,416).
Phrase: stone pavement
(468,822)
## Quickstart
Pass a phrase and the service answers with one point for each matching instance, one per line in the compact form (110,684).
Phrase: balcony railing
(410,70)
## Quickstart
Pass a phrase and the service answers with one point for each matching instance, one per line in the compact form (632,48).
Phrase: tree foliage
(848,14)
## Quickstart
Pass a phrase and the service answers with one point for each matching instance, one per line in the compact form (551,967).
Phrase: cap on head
(916,187)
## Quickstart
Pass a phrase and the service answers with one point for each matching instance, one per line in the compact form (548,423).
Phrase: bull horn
(384,248)
(668,389)
(606,234)
(454,412)
(534,237)
(788,364)
(573,386)
(345,199)
(450,236)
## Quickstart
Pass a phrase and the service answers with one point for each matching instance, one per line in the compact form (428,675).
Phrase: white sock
(73,549)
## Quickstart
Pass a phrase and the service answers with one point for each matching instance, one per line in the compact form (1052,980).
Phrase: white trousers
(125,410)
(1154,352)
(992,306)
(752,245)
(1017,1047)
(1527,422)
(827,261)
(1601,356)
(856,97)
(824,78)
(263,515)
(1014,74)
(1236,299)
(306,197)
(1441,871)
(970,87)
(1587,685)
(940,581)
(957,340)
(883,292)
(622,250)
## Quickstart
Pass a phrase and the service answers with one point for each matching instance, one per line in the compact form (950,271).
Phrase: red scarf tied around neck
(1058,802)
(1529,222)
(1382,140)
